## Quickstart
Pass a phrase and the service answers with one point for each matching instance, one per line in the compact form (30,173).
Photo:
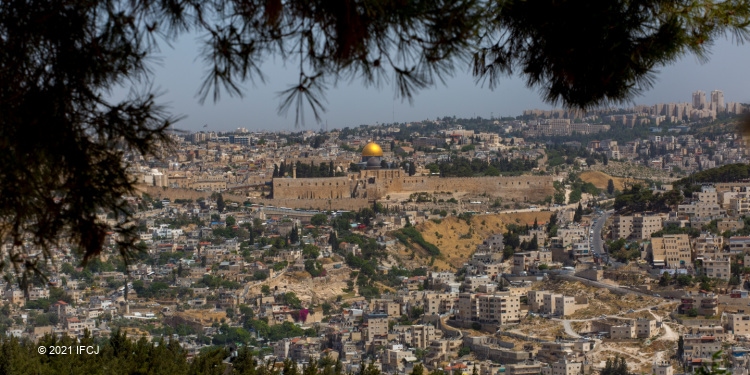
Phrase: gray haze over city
(179,73)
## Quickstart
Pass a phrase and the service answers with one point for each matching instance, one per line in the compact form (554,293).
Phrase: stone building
(645,328)
(671,251)
(546,302)
(662,368)
(739,324)
(375,182)
(563,367)
(625,331)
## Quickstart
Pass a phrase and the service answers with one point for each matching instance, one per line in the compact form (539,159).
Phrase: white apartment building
(739,324)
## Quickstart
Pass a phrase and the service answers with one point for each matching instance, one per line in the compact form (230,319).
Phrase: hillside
(601,179)
(724,173)
(455,241)
(632,170)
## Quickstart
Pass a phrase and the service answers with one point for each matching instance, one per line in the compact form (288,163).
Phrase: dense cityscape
(554,243)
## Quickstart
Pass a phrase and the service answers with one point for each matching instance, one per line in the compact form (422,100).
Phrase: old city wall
(522,188)
(172,194)
(349,204)
(335,192)
(312,188)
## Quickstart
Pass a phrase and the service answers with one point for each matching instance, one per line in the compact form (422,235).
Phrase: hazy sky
(180,73)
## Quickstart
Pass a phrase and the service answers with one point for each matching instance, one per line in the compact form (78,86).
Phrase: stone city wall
(312,188)
(522,188)
(172,194)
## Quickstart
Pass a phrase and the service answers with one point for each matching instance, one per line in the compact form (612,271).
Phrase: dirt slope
(457,242)
(601,179)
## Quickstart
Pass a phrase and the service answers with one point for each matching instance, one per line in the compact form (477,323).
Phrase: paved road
(569,329)
(597,243)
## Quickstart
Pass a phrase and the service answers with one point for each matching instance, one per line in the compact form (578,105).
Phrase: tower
(699,100)
(717,101)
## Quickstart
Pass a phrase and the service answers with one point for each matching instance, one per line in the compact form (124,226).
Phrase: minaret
(294,170)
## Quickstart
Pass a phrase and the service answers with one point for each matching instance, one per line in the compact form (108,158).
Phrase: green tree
(314,268)
(230,221)
(665,279)
(578,214)
(291,299)
(265,289)
(615,366)
(326,308)
(717,366)
(534,244)
(310,251)
(244,364)
(319,219)
(333,241)
(575,195)
(220,205)
(294,235)
(610,187)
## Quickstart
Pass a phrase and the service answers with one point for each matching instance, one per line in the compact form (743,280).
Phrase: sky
(179,73)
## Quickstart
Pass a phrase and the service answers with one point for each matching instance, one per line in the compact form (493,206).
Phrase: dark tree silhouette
(578,213)
(67,145)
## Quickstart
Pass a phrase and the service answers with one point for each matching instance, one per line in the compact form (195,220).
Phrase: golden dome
(372,149)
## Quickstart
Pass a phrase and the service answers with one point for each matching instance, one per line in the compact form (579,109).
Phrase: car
(655,308)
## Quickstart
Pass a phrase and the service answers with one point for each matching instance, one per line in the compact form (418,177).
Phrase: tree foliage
(319,219)
(725,173)
(462,167)
(407,235)
(640,199)
(615,366)
(578,213)
(67,144)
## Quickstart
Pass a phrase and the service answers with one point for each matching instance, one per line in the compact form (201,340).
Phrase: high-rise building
(699,100)
(717,100)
